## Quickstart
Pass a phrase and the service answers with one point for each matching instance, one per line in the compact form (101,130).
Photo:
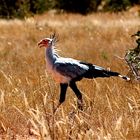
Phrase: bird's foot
(55,109)
(80,104)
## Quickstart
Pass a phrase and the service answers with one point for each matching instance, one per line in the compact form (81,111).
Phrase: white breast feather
(56,75)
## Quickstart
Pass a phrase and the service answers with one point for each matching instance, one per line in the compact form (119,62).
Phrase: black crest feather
(54,37)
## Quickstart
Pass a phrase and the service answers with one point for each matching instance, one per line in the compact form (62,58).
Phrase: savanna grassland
(28,94)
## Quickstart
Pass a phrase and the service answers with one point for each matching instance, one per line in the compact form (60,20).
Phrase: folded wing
(70,67)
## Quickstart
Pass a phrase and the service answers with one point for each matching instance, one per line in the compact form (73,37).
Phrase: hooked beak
(133,35)
(40,44)
(136,34)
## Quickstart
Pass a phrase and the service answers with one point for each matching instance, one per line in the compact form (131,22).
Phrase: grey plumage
(70,67)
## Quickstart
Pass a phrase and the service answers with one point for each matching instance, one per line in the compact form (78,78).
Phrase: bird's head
(48,42)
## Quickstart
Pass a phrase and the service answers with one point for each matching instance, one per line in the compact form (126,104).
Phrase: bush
(22,8)
(39,6)
(133,2)
(87,6)
(116,5)
(78,6)
(6,8)
(14,8)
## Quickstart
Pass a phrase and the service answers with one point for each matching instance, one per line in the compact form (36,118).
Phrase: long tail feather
(111,73)
(124,77)
(96,71)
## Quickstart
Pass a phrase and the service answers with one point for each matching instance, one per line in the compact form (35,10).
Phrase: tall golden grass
(28,94)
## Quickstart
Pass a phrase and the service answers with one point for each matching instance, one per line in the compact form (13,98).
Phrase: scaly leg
(63,89)
(78,94)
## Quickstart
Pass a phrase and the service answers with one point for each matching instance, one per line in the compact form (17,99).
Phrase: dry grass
(28,95)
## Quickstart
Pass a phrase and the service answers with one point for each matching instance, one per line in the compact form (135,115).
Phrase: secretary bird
(68,71)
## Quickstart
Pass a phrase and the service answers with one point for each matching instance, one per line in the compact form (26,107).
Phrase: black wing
(70,67)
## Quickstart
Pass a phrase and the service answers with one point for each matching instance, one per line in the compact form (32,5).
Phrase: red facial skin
(43,43)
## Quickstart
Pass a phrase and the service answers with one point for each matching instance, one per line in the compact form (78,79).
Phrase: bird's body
(64,70)
(67,71)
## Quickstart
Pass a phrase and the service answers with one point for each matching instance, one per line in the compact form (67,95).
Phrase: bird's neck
(51,55)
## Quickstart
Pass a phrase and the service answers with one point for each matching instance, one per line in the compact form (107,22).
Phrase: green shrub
(116,5)
(39,6)
(22,8)
(78,6)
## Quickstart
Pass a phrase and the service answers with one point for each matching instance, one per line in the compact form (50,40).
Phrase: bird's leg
(63,92)
(63,89)
(73,86)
